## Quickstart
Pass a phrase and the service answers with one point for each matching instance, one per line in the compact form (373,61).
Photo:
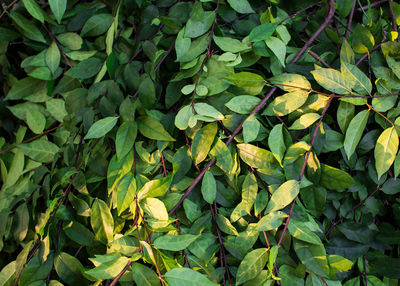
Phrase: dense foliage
(206,142)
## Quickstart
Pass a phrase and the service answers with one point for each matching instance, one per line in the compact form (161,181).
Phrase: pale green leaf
(174,242)
(58,8)
(151,128)
(332,80)
(209,187)
(251,265)
(386,150)
(126,192)
(283,196)
(102,221)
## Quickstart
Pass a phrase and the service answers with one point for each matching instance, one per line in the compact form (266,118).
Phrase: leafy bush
(202,142)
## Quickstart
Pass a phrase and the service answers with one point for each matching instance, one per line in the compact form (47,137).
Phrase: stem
(304,168)
(346,35)
(377,3)
(8,7)
(394,26)
(316,34)
(387,119)
(315,56)
(31,139)
(299,12)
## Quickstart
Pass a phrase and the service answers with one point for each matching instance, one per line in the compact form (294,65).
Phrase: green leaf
(305,121)
(126,136)
(241,6)
(70,40)
(386,150)
(300,231)
(34,9)
(225,225)
(209,187)
(40,150)
(224,158)
(101,127)
(251,83)
(354,132)
(230,45)
(199,22)
(151,128)
(29,29)
(335,179)
(287,103)
(96,25)
(182,45)
(291,82)
(58,8)
(202,142)
(107,266)
(251,128)
(56,107)
(347,54)
(143,275)
(270,221)
(257,157)
(332,80)
(102,221)
(243,104)
(187,277)
(79,233)
(251,265)
(345,113)
(53,57)
(278,48)
(395,66)
(283,196)
(36,121)
(249,192)
(359,81)
(154,208)
(276,142)
(207,110)
(363,41)
(262,32)
(183,117)
(147,92)
(174,242)
(85,69)
(69,269)
(126,192)
(155,188)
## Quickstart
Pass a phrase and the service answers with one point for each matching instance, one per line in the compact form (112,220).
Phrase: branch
(304,168)
(8,7)
(299,12)
(350,19)
(394,26)
(31,139)
(316,34)
(315,56)
(377,3)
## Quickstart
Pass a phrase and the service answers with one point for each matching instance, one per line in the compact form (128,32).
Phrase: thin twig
(350,20)
(31,139)
(377,3)
(366,54)
(299,12)
(304,167)
(33,252)
(365,270)
(315,56)
(328,18)
(8,7)
(394,26)
(164,56)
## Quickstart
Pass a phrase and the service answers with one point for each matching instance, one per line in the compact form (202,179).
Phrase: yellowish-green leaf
(385,150)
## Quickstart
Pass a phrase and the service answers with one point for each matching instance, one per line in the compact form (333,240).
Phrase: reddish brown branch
(299,12)
(350,19)
(304,167)
(7,8)
(31,139)
(377,3)
(315,56)
(394,26)
(328,18)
